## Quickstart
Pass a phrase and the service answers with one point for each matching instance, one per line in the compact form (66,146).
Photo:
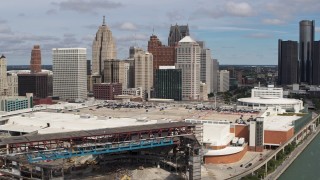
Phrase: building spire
(104,21)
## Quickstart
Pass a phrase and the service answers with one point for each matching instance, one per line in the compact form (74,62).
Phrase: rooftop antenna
(104,21)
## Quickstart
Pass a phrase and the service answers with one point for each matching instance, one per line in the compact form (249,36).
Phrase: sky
(244,32)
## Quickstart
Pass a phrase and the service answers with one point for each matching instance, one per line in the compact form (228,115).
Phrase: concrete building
(130,76)
(107,91)
(70,73)
(287,62)
(3,76)
(168,83)
(15,103)
(37,83)
(203,92)
(117,71)
(223,81)
(215,70)
(177,33)
(12,79)
(162,55)
(206,67)
(103,48)
(307,29)
(35,62)
(143,70)
(137,92)
(134,50)
(188,60)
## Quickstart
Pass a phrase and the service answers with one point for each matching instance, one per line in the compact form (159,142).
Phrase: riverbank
(292,157)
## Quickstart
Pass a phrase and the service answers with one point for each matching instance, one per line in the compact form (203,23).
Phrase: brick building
(106,91)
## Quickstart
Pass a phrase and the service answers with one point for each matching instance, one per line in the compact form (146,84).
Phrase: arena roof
(270,101)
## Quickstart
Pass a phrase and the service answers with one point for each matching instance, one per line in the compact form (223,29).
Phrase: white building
(267,92)
(215,71)
(3,76)
(137,92)
(188,60)
(70,73)
(206,67)
(223,81)
(143,71)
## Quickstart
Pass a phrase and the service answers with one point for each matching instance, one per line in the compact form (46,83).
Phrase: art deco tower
(35,62)
(103,48)
(3,76)
(177,33)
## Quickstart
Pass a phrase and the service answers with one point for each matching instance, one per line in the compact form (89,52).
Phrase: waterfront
(307,164)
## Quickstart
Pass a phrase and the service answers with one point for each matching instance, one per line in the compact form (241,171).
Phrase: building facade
(206,67)
(3,76)
(9,104)
(316,63)
(38,84)
(176,33)
(143,68)
(70,73)
(107,91)
(307,29)
(223,81)
(188,60)
(35,62)
(12,80)
(287,62)
(103,48)
(215,70)
(116,71)
(168,83)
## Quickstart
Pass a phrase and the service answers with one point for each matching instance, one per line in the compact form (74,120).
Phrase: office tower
(3,76)
(37,83)
(177,33)
(162,55)
(203,92)
(143,68)
(316,63)
(12,80)
(103,47)
(188,60)
(168,83)
(215,70)
(305,50)
(88,67)
(35,62)
(133,50)
(223,81)
(287,62)
(106,91)
(206,66)
(69,73)
(130,72)
(116,71)
(89,77)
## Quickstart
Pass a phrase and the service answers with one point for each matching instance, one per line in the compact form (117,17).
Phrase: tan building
(103,48)
(143,64)
(203,91)
(116,71)
(12,79)
(3,76)
(188,60)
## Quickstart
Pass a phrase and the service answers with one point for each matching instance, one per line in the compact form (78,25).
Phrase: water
(307,164)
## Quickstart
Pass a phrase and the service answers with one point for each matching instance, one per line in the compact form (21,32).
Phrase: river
(307,164)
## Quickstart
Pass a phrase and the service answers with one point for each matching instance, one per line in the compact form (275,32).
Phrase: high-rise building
(69,73)
(215,70)
(37,83)
(133,50)
(287,62)
(177,33)
(203,92)
(103,48)
(116,71)
(305,50)
(143,64)
(168,83)
(223,81)
(12,80)
(188,60)
(206,67)
(162,55)
(316,63)
(3,76)
(35,62)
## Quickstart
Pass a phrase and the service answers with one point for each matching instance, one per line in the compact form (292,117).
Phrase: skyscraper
(177,33)
(69,73)
(223,81)
(287,62)
(215,69)
(305,50)
(35,62)
(316,63)
(143,68)
(188,60)
(116,71)
(103,48)
(3,76)
(206,67)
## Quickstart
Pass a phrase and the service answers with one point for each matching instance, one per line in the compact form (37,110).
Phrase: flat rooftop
(279,123)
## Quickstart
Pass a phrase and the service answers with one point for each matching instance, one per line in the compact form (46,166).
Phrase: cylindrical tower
(35,62)
(305,48)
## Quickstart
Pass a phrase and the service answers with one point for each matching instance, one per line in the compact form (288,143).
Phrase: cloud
(273,21)
(128,26)
(242,9)
(21,14)
(51,12)
(134,37)
(175,15)
(5,29)
(87,6)
(259,35)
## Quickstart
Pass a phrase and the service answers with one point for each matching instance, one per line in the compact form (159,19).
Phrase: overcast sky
(237,32)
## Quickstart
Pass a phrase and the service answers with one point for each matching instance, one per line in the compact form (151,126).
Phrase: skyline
(236,32)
